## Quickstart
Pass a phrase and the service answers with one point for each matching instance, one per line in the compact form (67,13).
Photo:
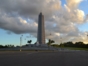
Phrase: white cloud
(22,21)
(73,3)
(21,16)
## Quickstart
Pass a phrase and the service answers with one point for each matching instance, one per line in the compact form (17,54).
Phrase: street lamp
(21,42)
(87,35)
(49,41)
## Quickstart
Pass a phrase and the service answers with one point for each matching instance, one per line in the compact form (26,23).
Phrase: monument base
(41,45)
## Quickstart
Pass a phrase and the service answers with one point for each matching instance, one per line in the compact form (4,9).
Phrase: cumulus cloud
(30,8)
(21,16)
(66,21)
(18,11)
(16,24)
(72,4)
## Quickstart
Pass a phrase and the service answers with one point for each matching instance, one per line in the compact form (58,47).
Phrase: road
(53,58)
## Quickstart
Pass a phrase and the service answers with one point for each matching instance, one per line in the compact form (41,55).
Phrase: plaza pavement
(44,58)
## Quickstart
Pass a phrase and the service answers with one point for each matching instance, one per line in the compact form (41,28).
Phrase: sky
(65,20)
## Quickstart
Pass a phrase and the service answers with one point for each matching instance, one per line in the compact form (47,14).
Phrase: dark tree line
(77,44)
(71,44)
(6,46)
(66,44)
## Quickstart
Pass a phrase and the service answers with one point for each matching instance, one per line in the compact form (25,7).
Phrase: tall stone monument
(41,30)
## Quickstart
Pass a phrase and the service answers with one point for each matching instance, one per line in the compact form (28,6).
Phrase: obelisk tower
(41,30)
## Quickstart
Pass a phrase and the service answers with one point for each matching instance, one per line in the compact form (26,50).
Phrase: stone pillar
(41,29)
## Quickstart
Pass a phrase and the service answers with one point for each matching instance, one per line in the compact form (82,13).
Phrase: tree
(80,44)
(50,42)
(62,45)
(68,44)
(55,45)
(1,46)
(29,41)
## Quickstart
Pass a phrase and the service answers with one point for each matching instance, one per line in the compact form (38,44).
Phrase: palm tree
(50,42)
(29,41)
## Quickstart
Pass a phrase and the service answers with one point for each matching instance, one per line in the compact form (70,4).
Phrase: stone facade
(41,30)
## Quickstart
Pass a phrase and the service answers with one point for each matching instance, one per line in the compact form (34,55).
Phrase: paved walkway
(60,58)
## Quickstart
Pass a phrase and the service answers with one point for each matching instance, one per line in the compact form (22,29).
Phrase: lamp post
(49,42)
(21,42)
(87,35)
